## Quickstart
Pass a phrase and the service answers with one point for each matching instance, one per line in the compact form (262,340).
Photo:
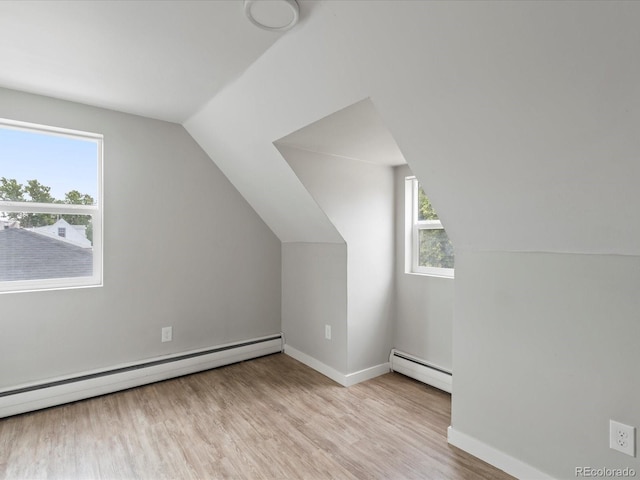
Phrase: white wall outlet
(327,332)
(167,334)
(622,438)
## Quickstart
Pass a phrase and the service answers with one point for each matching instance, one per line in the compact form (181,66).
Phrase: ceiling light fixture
(274,15)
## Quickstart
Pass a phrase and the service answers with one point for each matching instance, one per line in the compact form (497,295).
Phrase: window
(428,248)
(50,207)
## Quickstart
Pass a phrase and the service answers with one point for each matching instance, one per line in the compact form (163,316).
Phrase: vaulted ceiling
(356,132)
(159,59)
(524,113)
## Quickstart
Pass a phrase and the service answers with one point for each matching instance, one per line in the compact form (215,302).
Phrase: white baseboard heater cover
(420,370)
(29,397)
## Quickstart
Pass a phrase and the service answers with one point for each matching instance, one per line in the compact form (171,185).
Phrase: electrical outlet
(327,332)
(167,334)
(622,438)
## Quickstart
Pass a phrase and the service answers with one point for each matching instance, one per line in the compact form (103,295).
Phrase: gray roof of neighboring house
(26,255)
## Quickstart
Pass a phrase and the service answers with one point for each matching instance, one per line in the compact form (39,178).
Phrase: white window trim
(96,211)
(412,232)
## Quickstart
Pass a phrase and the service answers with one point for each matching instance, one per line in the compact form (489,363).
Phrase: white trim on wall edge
(367,373)
(344,380)
(317,365)
(495,457)
(60,390)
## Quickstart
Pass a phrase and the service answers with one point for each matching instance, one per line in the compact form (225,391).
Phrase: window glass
(46,168)
(50,208)
(435,249)
(429,250)
(425,210)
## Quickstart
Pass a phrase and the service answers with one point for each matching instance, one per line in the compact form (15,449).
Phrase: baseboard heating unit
(56,391)
(420,370)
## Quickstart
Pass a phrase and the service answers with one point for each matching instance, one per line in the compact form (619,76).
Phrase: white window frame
(412,234)
(95,280)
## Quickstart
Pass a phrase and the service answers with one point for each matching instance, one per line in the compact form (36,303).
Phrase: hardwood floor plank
(269,418)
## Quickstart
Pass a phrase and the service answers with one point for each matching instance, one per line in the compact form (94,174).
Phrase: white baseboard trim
(56,391)
(367,374)
(338,377)
(495,457)
(317,365)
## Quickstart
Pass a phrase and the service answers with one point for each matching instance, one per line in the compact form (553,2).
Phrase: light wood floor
(270,418)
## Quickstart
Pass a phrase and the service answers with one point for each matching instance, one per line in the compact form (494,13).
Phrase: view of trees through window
(435,248)
(34,191)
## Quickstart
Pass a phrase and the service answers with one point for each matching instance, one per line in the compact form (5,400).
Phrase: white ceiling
(356,132)
(159,59)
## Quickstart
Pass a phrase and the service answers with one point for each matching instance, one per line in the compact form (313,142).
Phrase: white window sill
(435,275)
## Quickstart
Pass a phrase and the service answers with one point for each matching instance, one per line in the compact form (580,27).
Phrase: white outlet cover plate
(622,438)
(167,334)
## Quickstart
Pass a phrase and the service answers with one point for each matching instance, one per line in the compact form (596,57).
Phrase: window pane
(435,248)
(425,210)
(47,168)
(59,247)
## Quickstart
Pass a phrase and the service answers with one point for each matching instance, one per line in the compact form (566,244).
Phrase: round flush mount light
(274,15)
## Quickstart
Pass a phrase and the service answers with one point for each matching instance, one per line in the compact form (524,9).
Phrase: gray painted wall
(423,304)
(314,294)
(181,248)
(521,119)
(546,352)
(358,199)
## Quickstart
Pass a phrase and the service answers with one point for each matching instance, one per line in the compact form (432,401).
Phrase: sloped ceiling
(520,118)
(159,59)
(355,132)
